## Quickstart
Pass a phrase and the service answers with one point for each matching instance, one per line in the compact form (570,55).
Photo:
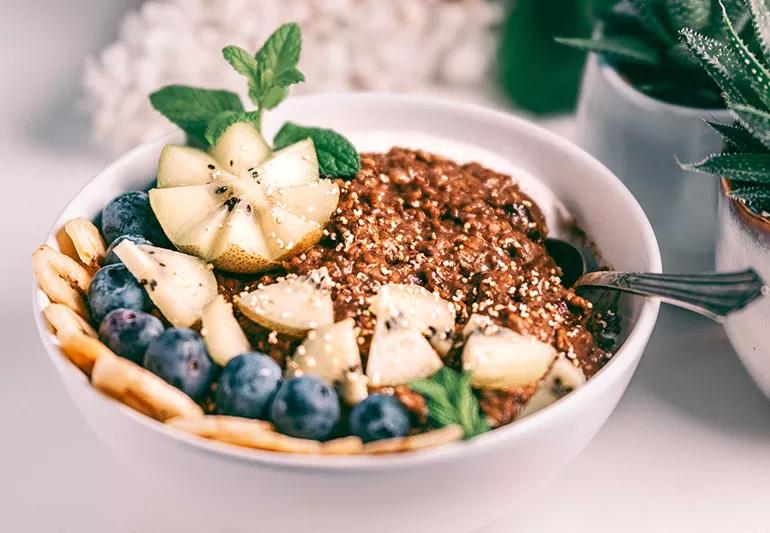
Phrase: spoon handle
(714,295)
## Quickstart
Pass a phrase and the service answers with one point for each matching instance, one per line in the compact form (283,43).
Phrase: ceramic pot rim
(750,217)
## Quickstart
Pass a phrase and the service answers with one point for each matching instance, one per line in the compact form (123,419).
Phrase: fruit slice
(184,165)
(425,311)
(331,353)
(297,164)
(240,148)
(293,305)
(179,285)
(399,353)
(499,358)
(273,211)
(223,336)
(563,378)
(315,201)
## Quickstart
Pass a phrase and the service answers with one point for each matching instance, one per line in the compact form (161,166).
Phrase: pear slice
(425,311)
(288,234)
(293,305)
(331,353)
(179,285)
(223,336)
(562,378)
(314,201)
(240,245)
(297,164)
(499,358)
(184,165)
(241,148)
(399,353)
(179,208)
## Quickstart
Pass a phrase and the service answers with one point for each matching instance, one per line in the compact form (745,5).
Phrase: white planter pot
(744,240)
(639,139)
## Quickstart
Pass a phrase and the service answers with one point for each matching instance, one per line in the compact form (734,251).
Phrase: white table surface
(688,449)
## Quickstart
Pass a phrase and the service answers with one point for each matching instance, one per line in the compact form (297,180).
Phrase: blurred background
(76,75)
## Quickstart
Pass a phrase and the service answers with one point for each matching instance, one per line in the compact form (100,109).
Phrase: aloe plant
(641,39)
(741,68)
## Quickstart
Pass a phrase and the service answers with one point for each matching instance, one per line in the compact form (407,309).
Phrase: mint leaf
(337,157)
(450,400)
(242,61)
(225,119)
(276,67)
(192,108)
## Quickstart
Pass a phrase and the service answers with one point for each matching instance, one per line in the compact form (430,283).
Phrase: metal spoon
(712,294)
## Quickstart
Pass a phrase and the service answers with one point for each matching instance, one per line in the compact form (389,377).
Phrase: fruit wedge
(425,311)
(179,285)
(562,378)
(331,353)
(399,353)
(221,332)
(248,223)
(240,148)
(499,358)
(293,305)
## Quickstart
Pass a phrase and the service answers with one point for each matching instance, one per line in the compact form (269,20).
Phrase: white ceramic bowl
(457,487)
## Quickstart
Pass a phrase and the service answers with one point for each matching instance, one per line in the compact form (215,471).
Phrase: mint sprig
(225,119)
(192,108)
(450,400)
(337,157)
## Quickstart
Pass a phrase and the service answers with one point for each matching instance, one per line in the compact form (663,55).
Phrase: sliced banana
(563,378)
(84,351)
(499,358)
(425,311)
(179,285)
(221,332)
(141,389)
(399,353)
(61,278)
(87,240)
(64,322)
(331,353)
(293,305)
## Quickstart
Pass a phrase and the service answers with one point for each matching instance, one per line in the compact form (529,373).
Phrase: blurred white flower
(388,45)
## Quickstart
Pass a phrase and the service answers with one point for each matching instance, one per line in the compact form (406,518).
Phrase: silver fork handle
(714,295)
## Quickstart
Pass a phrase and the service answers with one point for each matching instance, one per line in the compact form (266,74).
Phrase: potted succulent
(741,68)
(643,101)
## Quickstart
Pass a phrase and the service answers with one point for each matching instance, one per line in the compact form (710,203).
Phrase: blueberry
(305,407)
(380,416)
(128,332)
(179,356)
(131,213)
(110,258)
(247,385)
(113,287)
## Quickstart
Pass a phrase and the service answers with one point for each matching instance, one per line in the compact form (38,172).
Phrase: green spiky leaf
(738,137)
(753,168)
(694,14)
(757,197)
(755,121)
(760,15)
(625,48)
(650,18)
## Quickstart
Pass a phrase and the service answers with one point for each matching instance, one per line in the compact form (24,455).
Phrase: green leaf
(738,137)
(225,119)
(625,48)
(192,108)
(752,71)
(337,157)
(754,168)
(757,197)
(450,400)
(241,61)
(652,21)
(755,121)
(721,64)
(693,14)
(760,15)
(277,66)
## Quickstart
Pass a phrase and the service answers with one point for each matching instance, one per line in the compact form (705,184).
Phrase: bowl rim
(630,350)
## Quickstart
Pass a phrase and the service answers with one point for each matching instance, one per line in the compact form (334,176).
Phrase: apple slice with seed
(293,305)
